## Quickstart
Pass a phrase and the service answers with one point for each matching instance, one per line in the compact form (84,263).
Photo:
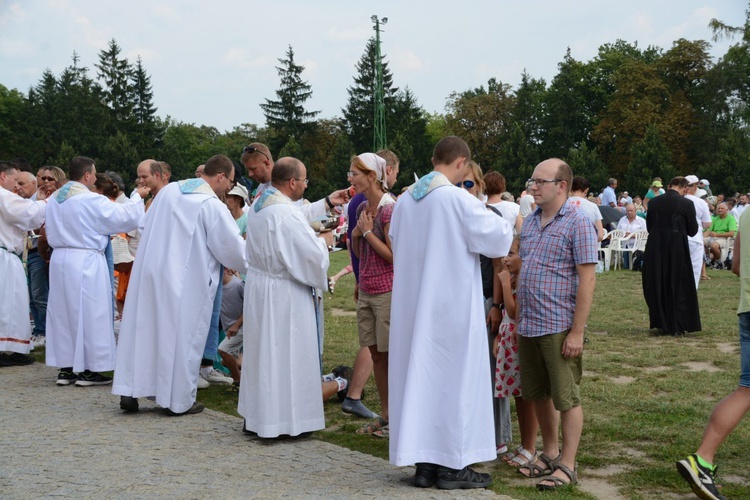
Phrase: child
(507,372)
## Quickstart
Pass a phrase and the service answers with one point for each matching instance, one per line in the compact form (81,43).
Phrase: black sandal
(535,470)
(557,482)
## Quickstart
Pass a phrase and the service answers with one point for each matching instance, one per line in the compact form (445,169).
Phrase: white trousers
(697,252)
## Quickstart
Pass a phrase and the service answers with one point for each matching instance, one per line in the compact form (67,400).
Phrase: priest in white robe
(17,216)
(188,233)
(439,394)
(280,390)
(80,328)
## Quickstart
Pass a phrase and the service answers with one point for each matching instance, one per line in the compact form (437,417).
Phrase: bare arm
(494,316)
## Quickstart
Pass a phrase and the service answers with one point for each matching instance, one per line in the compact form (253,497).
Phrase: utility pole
(379,141)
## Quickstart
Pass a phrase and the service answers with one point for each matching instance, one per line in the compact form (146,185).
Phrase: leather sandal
(557,482)
(535,470)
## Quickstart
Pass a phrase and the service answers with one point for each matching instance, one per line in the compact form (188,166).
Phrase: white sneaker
(216,377)
(202,383)
(39,340)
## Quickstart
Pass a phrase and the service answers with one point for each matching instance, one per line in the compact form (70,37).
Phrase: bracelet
(328,202)
(364,235)
(495,304)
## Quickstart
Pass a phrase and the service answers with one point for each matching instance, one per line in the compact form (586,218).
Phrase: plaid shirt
(375,273)
(548,283)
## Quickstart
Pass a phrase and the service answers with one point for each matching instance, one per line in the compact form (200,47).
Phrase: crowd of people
(179,263)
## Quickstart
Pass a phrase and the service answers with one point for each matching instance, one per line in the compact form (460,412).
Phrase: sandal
(557,482)
(507,457)
(373,426)
(522,458)
(331,284)
(384,432)
(705,278)
(535,470)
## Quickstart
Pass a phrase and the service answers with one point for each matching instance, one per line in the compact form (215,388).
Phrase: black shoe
(66,376)
(287,437)
(246,430)
(88,378)
(196,408)
(451,479)
(701,480)
(425,475)
(128,404)
(15,359)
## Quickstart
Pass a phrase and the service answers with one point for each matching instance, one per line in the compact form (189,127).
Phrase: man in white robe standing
(17,216)
(80,312)
(440,396)
(280,390)
(188,234)
(703,215)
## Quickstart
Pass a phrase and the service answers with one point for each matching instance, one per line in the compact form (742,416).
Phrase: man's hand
(327,237)
(232,330)
(142,191)
(339,197)
(573,345)
(493,319)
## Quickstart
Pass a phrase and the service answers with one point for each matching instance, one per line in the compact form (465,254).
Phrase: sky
(212,63)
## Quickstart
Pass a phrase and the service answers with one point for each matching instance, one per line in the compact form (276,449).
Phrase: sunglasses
(466,184)
(49,179)
(252,149)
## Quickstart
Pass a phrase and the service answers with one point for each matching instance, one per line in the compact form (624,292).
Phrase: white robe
(281,390)
(80,331)
(17,216)
(185,239)
(440,398)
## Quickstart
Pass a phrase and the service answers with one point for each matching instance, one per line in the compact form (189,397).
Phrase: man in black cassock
(668,283)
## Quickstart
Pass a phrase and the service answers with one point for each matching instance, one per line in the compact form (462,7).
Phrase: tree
(529,109)
(146,133)
(517,159)
(483,118)
(408,135)
(649,158)
(287,114)
(585,162)
(12,118)
(360,107)
(116,74)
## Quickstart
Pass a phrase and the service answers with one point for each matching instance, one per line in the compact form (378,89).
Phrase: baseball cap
(704,181)
(692,179)
(657,184)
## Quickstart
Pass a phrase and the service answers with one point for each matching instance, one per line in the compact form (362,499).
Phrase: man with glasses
(188,234)
(280,390)
(555,291)
(259,163)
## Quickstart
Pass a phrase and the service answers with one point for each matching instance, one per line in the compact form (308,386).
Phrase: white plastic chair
(629,244)
(613,237)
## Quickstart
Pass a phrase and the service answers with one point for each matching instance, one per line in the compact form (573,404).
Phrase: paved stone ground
(75,442)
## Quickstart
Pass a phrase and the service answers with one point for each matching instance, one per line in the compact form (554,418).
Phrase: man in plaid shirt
(555,291)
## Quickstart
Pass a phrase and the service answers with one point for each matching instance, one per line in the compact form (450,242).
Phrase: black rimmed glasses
(252,149)
(466,184)
(540,182)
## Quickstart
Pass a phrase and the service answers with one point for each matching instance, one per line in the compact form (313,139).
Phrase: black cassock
(668,283)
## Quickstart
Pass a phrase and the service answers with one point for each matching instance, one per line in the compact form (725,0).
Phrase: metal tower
(379,140)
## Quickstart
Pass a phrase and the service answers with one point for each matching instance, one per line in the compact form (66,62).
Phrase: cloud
(17,48)
(349,35)
(695,27)
(14,14)
(163,10)
(238,58)
(405,60)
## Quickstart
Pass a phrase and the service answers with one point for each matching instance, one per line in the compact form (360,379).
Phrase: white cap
(700,193)
(704,181)
(239,190)
(692,179)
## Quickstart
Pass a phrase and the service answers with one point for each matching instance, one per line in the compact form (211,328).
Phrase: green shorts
(547,374)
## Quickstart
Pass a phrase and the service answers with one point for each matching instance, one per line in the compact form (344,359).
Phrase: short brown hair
(678,181)
(78,167)
(448,149)
(259,148)
(494,182)
(389,157)
(218,164)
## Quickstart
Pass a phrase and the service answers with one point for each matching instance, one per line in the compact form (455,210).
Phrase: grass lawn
(646,397)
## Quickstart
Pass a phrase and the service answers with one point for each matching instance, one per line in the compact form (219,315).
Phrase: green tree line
(630,112)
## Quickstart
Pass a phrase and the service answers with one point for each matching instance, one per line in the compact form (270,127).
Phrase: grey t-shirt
(232,296)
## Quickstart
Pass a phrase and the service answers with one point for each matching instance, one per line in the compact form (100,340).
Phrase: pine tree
(116,74)
(287,114)
(360,108)
(147,131)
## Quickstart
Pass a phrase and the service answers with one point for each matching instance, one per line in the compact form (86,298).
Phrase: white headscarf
(376,164)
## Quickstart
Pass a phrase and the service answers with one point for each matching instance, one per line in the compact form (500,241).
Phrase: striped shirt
(548,283)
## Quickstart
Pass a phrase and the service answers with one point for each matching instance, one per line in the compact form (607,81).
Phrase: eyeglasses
(351,174)
(49,179)
(252,149)
(540,182)
(466,184)
(306,181)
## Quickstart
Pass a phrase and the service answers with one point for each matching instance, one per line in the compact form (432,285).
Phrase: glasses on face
(351,174)
(466,184)
(540,182)
(301,180)
(48,179)
(252,149)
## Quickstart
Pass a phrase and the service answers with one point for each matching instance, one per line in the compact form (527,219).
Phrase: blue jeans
(745,349)
(38,291)
(212,341)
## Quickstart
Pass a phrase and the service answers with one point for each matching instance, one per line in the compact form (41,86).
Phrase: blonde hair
(476,171)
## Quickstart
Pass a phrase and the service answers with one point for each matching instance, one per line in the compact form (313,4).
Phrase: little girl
(507,372)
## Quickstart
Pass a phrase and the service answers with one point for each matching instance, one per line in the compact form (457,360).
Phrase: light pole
(379,140)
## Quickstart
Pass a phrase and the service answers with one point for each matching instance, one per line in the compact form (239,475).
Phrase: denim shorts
(744,349)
